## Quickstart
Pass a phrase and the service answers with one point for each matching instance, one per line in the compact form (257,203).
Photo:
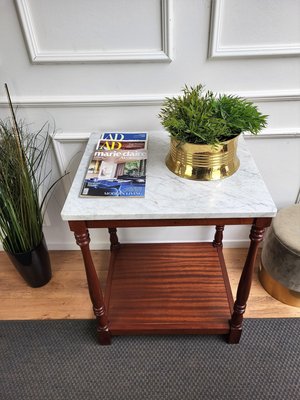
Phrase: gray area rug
(62,360)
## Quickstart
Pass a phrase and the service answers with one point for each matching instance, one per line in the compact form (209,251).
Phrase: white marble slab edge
(242,195)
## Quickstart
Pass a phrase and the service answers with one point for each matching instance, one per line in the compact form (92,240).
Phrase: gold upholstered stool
(279,271)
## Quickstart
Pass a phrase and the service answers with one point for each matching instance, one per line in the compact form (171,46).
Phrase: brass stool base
(277,290)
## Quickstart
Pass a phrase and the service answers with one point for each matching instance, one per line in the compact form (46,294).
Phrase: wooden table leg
(114,241)
(83,239)
(236,322)
(218,239)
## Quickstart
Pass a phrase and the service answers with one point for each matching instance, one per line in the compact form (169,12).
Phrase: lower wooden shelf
(168,288)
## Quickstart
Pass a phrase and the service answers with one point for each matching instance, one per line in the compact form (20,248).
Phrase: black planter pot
(34,266)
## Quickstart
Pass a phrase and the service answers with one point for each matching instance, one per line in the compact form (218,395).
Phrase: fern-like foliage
(204,118)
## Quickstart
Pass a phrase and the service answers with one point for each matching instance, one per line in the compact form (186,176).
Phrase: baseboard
(105,245)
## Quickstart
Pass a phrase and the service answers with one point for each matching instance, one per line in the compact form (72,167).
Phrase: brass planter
(203,162)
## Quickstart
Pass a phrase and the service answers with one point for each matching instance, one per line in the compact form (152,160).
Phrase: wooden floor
(66,295)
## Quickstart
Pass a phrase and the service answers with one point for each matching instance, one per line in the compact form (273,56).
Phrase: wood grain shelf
(168,288)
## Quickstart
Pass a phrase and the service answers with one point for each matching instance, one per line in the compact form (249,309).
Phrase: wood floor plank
(66,295)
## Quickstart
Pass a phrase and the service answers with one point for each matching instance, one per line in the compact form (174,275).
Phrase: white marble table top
(167,196)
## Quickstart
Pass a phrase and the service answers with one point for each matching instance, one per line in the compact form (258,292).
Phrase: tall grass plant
(23,177)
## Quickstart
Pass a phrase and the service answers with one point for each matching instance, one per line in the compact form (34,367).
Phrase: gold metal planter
(203,162)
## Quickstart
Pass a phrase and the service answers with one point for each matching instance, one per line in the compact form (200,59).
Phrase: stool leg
(236,322)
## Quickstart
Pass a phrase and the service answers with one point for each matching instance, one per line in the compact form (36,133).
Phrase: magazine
(118,166)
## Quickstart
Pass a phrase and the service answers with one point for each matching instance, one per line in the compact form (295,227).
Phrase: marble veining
(244,194)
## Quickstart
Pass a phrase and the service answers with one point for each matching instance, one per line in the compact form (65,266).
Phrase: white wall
(94,65)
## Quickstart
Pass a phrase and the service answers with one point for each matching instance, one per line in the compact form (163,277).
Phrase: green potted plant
(23,175)
(204,132)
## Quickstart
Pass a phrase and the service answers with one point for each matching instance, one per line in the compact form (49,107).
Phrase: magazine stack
(118,166)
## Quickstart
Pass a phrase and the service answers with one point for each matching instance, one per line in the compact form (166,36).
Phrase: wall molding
(85,101)
(40,56)
(137,100)
(68,137)
(58,140)
(216,50)
(267,96)
(275,133)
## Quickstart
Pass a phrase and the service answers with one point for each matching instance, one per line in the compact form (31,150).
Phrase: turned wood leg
(83,239)
(114,241)
(218,240)
(236,322)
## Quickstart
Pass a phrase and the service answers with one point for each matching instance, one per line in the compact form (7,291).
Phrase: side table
(166,288)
